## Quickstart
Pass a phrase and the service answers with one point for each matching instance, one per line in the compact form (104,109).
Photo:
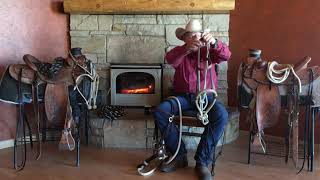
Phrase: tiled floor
(108,164)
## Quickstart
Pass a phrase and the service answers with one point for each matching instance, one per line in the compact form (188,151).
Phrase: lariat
(282,74)
(201,101)
(93,77)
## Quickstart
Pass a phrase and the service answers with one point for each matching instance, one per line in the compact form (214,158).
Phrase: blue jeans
(218,117)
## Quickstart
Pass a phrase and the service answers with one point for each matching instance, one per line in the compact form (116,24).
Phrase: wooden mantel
(146,6)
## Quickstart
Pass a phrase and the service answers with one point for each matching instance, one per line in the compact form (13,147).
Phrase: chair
(189,119)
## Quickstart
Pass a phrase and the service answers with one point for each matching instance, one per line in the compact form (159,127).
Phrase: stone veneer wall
(109,39)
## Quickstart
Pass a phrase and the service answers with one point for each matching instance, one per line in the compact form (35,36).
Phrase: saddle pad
(268,106)
(9,91)
(56,103)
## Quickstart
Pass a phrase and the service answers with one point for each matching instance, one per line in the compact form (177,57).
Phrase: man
(184,60)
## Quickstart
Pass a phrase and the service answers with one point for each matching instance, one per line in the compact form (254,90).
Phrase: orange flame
(137,91)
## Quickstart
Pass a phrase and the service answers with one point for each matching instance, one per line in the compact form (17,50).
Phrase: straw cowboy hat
(193,25)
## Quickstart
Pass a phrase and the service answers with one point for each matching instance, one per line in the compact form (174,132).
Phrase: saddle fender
(268,106)
(56,102)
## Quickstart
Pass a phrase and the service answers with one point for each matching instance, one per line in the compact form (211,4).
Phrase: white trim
(6,143)
(10,102)
(10,142)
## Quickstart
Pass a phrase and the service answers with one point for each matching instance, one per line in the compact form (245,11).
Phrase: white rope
(94,77)
(204,110)
(76,87)
(94,87)
(67,133)
(282,74)
(180,130)
(202,96)
(262,143)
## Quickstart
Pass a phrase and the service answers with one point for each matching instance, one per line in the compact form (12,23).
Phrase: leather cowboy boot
(178,162)
(203,172)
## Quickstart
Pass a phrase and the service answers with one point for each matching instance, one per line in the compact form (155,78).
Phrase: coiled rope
(202,96)
(94,78)
(279,76)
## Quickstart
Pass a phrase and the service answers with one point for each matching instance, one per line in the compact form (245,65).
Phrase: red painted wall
(285,31)
(37,27)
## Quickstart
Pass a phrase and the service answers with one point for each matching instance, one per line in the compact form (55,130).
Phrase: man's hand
(193,45)
(208,38)
(195,40)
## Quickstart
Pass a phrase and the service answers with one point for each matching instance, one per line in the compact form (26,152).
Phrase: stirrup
(151,164)
(67,141)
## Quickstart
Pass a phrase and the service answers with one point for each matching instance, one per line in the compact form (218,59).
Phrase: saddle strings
(284,72)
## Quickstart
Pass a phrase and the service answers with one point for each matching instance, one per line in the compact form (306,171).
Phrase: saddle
(268,100)
(46,82)
(61,85)
(31,70)
(58,84)
(263,97)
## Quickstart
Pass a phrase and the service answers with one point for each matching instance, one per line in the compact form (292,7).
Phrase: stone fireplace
(140,39)
(113,40)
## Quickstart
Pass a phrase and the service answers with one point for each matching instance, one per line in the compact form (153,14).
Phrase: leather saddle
(31,70)
(56,87)
(256,70)
(54,84)
(267,95)
(265,98)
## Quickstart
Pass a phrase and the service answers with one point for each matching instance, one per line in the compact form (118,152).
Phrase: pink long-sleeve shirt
(185,64)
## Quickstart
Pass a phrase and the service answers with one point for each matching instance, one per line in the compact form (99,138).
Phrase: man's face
(191,36)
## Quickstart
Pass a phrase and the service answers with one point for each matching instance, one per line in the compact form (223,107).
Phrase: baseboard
(10,142)
(6,143)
